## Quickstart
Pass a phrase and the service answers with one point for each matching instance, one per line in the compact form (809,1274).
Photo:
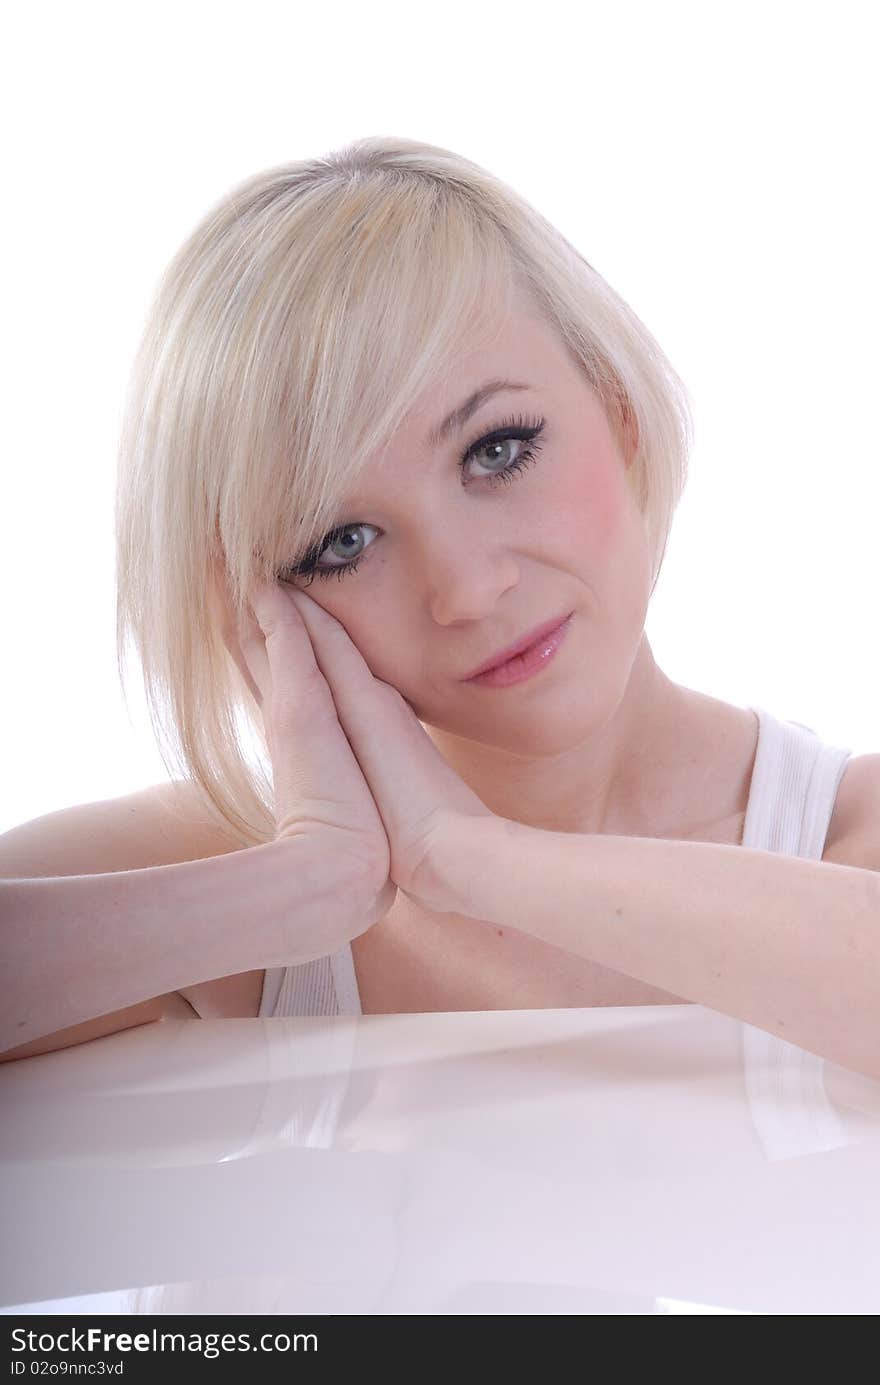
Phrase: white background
(716,163)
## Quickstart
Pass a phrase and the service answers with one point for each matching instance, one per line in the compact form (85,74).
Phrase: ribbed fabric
(793,790)
(791,800)
(327,986)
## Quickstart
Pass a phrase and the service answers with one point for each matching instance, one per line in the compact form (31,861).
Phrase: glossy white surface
(647,1160)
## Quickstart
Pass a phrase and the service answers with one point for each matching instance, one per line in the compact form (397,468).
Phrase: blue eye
(512,430)
(350,544)
(515,430)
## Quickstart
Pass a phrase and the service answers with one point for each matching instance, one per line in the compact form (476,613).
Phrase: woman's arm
(789,945)
(73,948)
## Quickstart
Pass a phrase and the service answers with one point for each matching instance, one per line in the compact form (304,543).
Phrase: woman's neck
(618,780)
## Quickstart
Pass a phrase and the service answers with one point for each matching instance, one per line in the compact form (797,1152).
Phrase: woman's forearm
(788,944)
(76,947)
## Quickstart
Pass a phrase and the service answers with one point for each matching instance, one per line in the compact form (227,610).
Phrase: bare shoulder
(163,824)
(854,833)
(184,826)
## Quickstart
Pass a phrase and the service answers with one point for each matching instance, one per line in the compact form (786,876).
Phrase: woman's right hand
(320,791)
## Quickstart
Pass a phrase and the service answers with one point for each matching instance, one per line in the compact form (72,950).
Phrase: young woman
(395,487)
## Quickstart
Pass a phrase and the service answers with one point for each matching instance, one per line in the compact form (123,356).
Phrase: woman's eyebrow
(459,417)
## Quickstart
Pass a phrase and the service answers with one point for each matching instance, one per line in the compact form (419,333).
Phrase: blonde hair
(287,340)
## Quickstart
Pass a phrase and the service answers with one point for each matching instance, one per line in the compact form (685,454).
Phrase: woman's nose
(466,582)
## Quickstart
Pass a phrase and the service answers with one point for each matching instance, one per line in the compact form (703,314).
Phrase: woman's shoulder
(183,820)
(163,824)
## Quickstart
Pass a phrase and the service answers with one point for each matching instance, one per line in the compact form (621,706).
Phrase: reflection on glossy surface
(649,1160)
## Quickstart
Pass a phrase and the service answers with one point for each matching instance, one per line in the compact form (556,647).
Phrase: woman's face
(453,566)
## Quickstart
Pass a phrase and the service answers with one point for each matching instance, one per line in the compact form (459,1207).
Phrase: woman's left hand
(420,797)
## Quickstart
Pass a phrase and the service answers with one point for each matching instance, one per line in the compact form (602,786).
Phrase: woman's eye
(521,436)
(345,546)
(340,552)
(498,454)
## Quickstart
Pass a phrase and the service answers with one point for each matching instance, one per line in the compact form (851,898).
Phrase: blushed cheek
(593,510)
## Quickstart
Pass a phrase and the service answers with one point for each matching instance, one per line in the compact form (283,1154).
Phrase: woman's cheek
(592,510)
(386,649)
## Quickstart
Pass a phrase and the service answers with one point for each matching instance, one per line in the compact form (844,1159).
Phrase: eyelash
(519,429)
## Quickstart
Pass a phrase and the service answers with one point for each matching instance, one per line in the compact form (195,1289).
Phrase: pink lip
(537,643)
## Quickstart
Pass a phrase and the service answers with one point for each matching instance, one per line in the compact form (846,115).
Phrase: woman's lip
(539,633)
